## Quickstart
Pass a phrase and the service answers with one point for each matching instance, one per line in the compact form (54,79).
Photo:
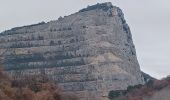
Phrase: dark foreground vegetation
(41,88)
(31,88)
(152,90)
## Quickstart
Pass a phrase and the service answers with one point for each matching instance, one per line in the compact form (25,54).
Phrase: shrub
(31,88)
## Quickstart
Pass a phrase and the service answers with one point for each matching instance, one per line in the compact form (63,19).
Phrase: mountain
(89,53)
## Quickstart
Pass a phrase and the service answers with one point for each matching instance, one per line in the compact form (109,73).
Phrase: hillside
(40,88)
(153,90)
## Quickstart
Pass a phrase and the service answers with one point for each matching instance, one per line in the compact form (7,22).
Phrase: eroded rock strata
(90,52)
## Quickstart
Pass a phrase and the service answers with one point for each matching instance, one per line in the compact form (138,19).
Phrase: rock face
(90,52)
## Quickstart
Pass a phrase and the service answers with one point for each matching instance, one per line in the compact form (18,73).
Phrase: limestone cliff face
(90,52)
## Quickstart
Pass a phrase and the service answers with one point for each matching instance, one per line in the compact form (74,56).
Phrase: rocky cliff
(90,52)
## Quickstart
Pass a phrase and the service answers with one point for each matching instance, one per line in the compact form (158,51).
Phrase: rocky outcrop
(148,78)
(90,52)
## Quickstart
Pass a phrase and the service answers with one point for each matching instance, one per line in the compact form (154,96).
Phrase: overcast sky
(149,21)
